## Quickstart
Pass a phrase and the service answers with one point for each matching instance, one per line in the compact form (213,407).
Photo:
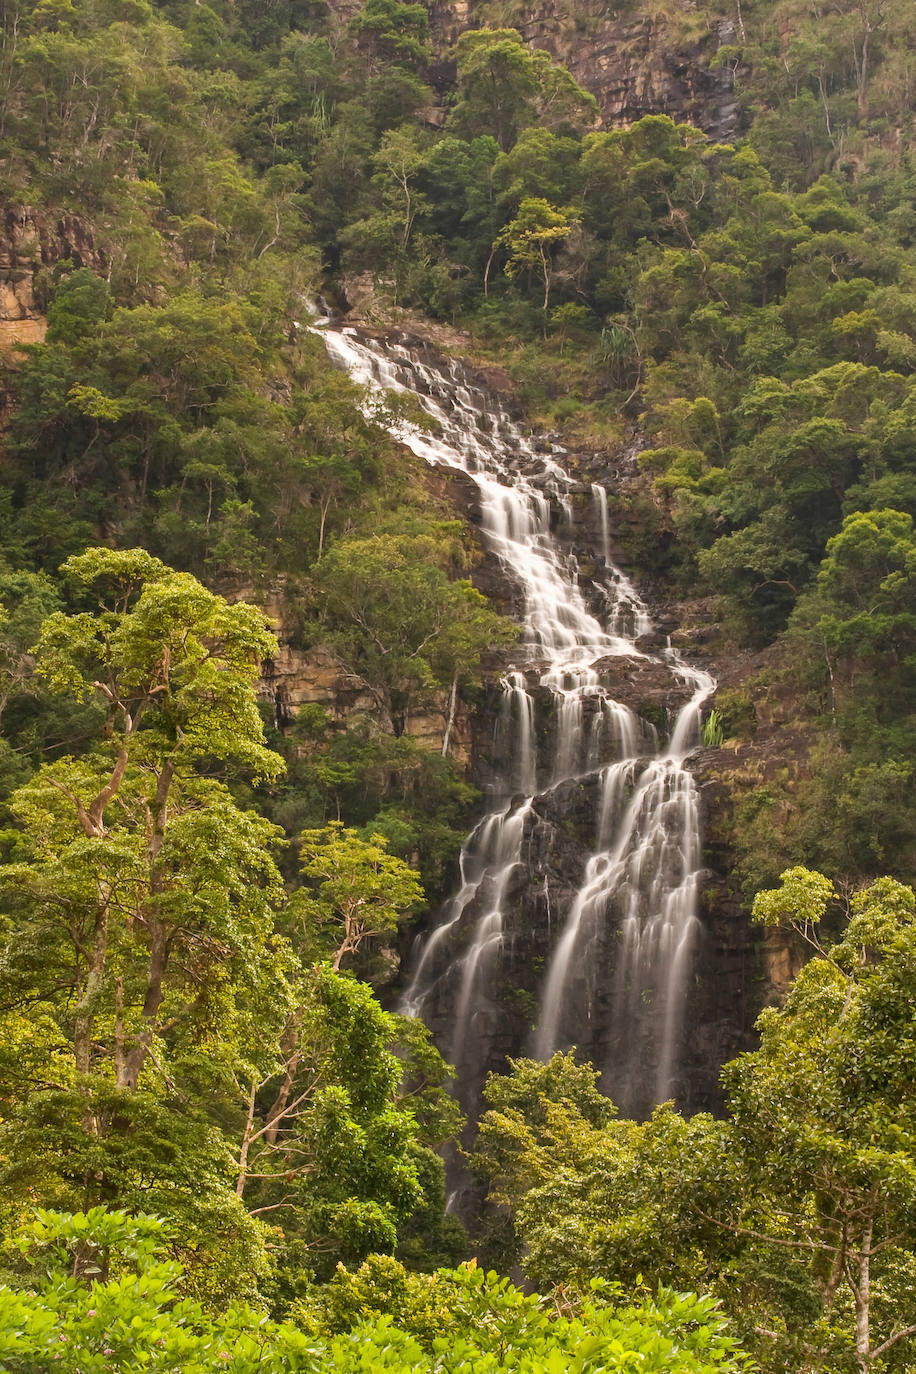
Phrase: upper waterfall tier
(615,945)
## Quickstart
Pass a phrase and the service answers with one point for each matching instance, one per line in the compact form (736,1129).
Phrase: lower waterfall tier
(624,1042)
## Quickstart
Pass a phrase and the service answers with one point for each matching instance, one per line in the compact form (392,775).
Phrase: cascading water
(616,945)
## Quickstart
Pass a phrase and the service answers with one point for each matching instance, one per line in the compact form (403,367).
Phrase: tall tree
(138,915)
(504,87)
(357,884)
(399,626)
(531,237)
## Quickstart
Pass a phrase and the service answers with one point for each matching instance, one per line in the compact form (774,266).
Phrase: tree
(592,1195)
(26,599)
(400,160)
(392,31)
(504,87)
(766,560)
(175,667)
(357,882)
(380,242)
(105,1296)
(799,1209)
(856,624)
(463,203)
(539,164)
(161,1039)
(865,585)
(385,784)
(82,302)
(399,626)
(138,911)
(457,1320)
(825,1109)
(467,1319)
(333,1126)
(530,237)
(530,1110)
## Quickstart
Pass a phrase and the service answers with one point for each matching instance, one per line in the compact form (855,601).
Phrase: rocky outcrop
(298,677)
(31,240)
(633,64)
(729,980)
(770,754)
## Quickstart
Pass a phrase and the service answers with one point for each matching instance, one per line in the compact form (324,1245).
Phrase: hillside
(268,656)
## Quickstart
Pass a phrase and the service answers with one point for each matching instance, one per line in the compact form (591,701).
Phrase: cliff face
(299,677)
(29,241)
(633,64)
(730,973)
(733,973)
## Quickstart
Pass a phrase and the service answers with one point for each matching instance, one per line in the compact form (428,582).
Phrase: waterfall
(599,496)
(616,944)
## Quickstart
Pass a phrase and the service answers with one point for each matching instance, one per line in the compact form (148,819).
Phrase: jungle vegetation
(217,1146)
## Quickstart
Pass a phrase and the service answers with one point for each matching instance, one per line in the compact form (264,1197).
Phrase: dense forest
(220,1143)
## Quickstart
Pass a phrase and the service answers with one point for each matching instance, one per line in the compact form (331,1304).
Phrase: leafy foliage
(797,1209)
(489,1325)
(164,1042)
(185,175)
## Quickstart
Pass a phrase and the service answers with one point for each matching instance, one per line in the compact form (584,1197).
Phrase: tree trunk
(246,1143)
(408,213)
(158,960)
(324,507)
(84,1019)
(275,1115)
(119,1048)
(862,1292)
(862,93)
(452,703)
(486,271)
(158,932)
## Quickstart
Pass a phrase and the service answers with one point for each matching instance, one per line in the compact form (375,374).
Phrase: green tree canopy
(799,1209)
(399,625)
(357,884)
(504,87)
(452,1322)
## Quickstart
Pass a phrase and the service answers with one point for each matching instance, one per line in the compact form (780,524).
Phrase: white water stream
(558,727)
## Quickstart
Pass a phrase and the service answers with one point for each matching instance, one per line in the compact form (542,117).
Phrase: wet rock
(527,866)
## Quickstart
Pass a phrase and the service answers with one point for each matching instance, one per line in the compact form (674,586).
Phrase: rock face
(524,959)
(299,677)
(733,974)
(726,986)
(632,64)
(29,241)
